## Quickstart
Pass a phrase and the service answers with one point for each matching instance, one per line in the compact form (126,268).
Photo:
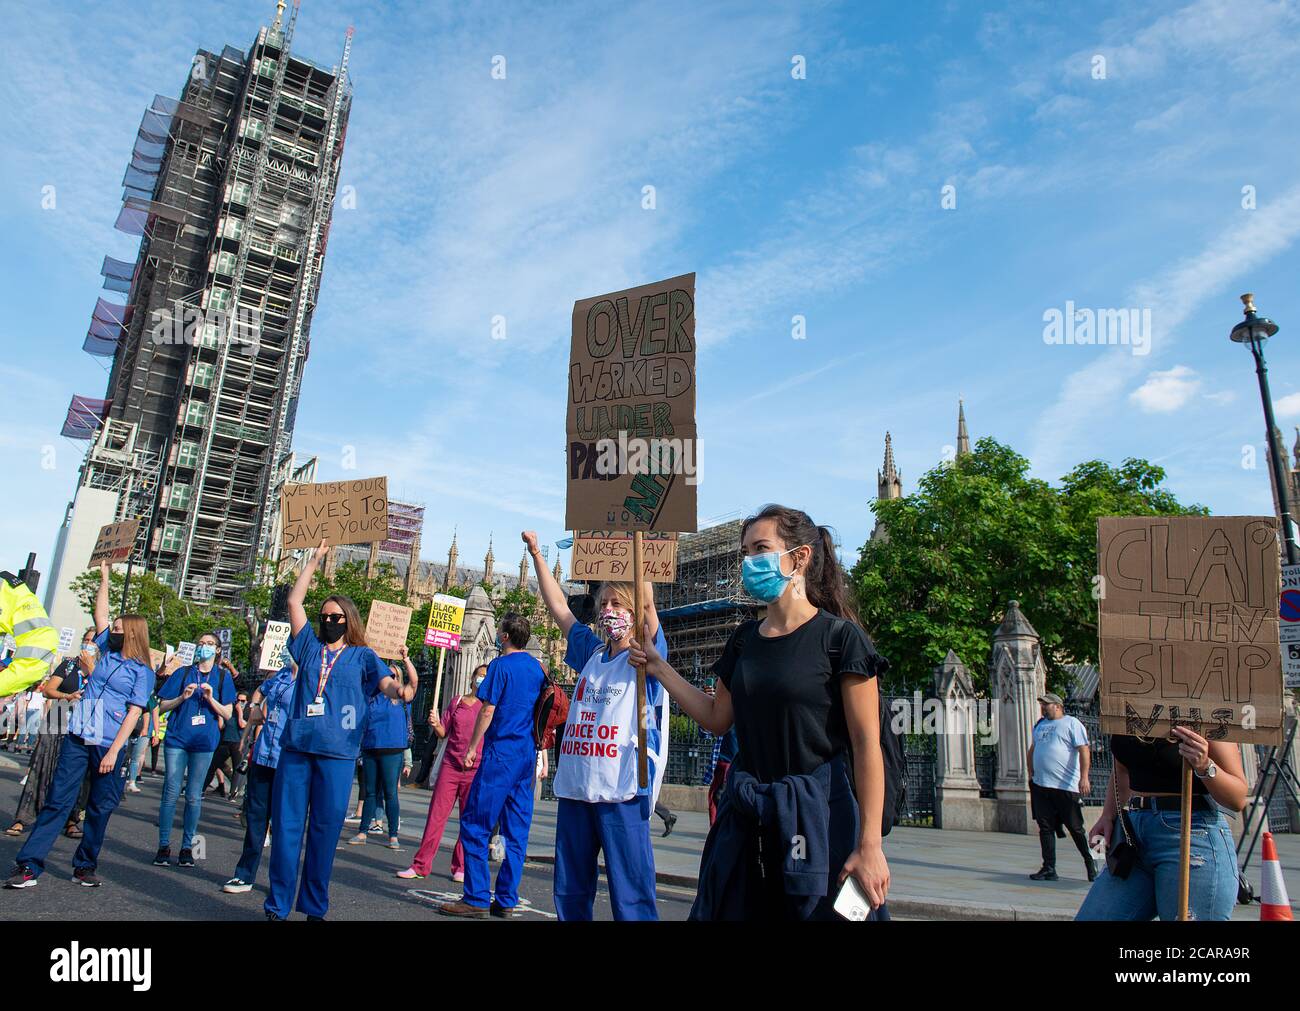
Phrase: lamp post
(1254,330)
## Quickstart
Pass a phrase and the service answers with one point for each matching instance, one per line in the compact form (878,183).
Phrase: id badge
(274,717)
(198,721)
(315,708)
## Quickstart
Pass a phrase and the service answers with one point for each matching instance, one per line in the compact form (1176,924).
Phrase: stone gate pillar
(1017,676)
(956,787)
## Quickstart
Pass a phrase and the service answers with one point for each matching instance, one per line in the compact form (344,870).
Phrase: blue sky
(821,198)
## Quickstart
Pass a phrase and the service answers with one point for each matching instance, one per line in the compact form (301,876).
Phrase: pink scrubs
(452,786)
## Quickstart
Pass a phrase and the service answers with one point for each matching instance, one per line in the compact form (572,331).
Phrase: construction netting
(108,324)
(140,182)
(85,415)
(118,275)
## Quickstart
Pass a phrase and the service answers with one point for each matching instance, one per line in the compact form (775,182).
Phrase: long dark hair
(355,628)
(824,579)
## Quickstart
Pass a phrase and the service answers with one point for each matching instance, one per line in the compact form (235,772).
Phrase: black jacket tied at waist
(779,812)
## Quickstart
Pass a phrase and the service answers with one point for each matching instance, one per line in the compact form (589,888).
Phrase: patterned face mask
(615,623)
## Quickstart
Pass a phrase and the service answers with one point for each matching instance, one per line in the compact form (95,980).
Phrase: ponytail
(824,579)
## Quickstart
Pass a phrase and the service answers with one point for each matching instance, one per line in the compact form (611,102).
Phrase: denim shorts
(1151,888)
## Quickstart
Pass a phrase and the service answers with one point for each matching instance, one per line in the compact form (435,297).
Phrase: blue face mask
(204,651)
(763,577)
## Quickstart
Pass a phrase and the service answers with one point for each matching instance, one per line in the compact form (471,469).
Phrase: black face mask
(116,640)
(332,628)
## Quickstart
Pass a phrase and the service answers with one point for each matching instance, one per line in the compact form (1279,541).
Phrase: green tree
(979,532)
(172,619)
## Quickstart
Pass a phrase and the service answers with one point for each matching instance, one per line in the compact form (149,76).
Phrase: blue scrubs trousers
(502,792)
(622,831)
(303,782)
(75,758)
(257,814)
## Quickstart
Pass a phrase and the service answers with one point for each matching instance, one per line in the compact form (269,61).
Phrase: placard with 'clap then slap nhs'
(631,448)
(599,555)
(337,512)
(1189,626)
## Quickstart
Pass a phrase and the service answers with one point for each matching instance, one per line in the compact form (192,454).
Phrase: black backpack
(891,742)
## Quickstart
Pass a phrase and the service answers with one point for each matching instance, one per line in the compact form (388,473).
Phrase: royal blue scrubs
(116,683)
(503,789)
(317,760)
(277,692)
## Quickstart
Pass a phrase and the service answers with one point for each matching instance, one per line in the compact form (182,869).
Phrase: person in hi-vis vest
(36,640)
(601,806)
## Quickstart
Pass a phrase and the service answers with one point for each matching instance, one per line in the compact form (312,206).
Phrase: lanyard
(326,669)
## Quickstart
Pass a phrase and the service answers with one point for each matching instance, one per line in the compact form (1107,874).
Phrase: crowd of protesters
(793,704)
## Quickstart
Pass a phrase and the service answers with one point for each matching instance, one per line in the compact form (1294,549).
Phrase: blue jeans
(191,767)
(75,758)
(1151,888)
(136,748)
(257,815)
(381,772)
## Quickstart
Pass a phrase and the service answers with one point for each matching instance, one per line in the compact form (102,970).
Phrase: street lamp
(1255,330)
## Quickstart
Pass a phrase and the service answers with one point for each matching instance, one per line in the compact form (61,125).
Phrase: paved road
(363,888)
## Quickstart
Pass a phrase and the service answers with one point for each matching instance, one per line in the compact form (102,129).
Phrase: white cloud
(1166,391)
(1288,406)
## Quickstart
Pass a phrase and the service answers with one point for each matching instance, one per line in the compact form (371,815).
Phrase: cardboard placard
(600,555)
(274,641)
(338,512)
(631,447)
(185,652)
(1189,626)
(446,616)
(387,628)
(114,543)
(157,658)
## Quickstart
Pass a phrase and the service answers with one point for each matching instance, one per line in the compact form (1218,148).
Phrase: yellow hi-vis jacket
(35,636)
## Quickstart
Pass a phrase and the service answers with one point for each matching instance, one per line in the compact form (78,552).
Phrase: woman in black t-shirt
(799,687)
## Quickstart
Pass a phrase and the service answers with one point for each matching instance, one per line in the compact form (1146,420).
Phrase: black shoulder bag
(1121,855)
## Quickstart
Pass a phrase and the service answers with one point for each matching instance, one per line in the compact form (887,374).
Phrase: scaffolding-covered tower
(707,601)
(231,189)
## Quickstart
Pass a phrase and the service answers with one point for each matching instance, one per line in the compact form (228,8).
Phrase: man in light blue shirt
(1058,772)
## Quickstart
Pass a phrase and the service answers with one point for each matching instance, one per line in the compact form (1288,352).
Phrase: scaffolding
(707,601)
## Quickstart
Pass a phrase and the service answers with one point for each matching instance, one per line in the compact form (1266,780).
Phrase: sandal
(17,828)
(73,832)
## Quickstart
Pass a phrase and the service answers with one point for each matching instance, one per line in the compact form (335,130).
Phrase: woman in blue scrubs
(100,725)
(197,696)
(382,758)
(338,675)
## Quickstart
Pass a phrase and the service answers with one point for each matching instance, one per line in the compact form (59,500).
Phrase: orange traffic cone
(1273,898)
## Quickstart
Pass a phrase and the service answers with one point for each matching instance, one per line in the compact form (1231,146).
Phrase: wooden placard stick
(1185,844)
(638,596)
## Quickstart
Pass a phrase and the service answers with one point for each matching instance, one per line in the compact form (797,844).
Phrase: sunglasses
(334,619)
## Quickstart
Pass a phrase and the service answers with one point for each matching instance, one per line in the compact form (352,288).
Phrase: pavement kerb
(899,905)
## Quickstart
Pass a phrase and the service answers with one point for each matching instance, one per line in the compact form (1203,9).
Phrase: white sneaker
(132,788)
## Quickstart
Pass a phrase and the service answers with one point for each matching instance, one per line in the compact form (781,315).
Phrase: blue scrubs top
(354,681)
(386,729)
(277,694)
(116,683)
(512,684)
(183,733)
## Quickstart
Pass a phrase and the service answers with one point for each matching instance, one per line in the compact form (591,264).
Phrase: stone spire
(1296,448)
(413,566)
(487,563)
(963,437)
(889,483)
(450,577)
(523,571)
(556,572)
